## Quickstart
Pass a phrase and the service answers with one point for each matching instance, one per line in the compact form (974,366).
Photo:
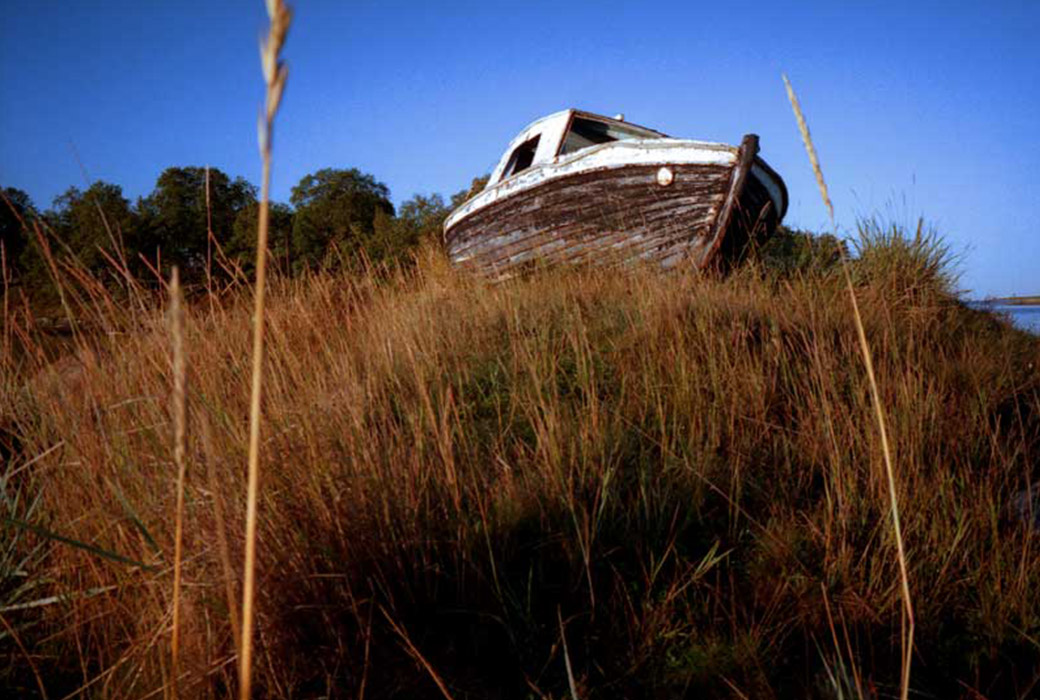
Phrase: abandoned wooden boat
(576,187)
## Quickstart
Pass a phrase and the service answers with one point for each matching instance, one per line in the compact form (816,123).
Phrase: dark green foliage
(241,248)
(792,251)
(388,243)
(176,220)
(423,216)
(94,223)
(15,208)
(421,219)
(89,229)
(475,187)
(336,217)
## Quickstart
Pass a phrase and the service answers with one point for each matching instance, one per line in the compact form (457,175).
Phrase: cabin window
(522,157)
(588,132)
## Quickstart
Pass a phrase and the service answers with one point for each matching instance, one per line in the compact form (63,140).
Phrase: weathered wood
(748,151)
(609,208)
(563,219)
(754,220)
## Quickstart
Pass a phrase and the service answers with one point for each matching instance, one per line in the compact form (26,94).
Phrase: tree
(241,248)
(15,209)
(420,219)
(93,226)
(423,216)
(476,186)
(337,209)
(177,217)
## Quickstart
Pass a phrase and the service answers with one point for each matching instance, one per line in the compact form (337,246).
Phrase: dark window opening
(587,132)
(522,157)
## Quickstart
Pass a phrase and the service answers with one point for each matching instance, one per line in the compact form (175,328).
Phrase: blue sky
(916,108)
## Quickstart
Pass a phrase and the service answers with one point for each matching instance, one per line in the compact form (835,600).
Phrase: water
(1025,317)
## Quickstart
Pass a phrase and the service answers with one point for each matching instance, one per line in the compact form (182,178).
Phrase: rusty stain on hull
(703,214)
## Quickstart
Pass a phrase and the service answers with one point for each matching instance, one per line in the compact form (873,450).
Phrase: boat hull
(707,214)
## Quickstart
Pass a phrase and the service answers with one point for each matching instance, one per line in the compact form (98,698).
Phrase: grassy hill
(576,483)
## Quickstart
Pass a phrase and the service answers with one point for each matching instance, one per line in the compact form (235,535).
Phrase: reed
(879,412)
(810,148)
(180,420)
(275,75)
(6,280)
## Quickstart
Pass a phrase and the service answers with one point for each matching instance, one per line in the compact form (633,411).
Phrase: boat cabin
(551,138)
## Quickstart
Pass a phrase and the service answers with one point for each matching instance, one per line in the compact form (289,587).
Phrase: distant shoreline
(1013,301)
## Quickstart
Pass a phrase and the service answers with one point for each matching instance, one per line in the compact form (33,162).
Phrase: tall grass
(675,473)
(180,420)
(879,412)
(915,266)
(275,74)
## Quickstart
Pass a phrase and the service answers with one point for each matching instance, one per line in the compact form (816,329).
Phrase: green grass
(681,474)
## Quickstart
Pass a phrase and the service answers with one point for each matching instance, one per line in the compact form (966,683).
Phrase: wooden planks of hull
(611,215)
(706,214)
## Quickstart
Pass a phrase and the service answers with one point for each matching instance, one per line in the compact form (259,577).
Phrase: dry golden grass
(180,421)
(682,470)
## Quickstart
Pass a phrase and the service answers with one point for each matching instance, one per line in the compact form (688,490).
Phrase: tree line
(204,221)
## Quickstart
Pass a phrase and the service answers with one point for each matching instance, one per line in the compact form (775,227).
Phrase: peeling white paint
(550,128)
(637,146)
(617,154)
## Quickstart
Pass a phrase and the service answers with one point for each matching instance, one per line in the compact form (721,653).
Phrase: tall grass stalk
(879,413)
(571,685)
(209,245)
(180,420)
(7,307)
(275,74)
